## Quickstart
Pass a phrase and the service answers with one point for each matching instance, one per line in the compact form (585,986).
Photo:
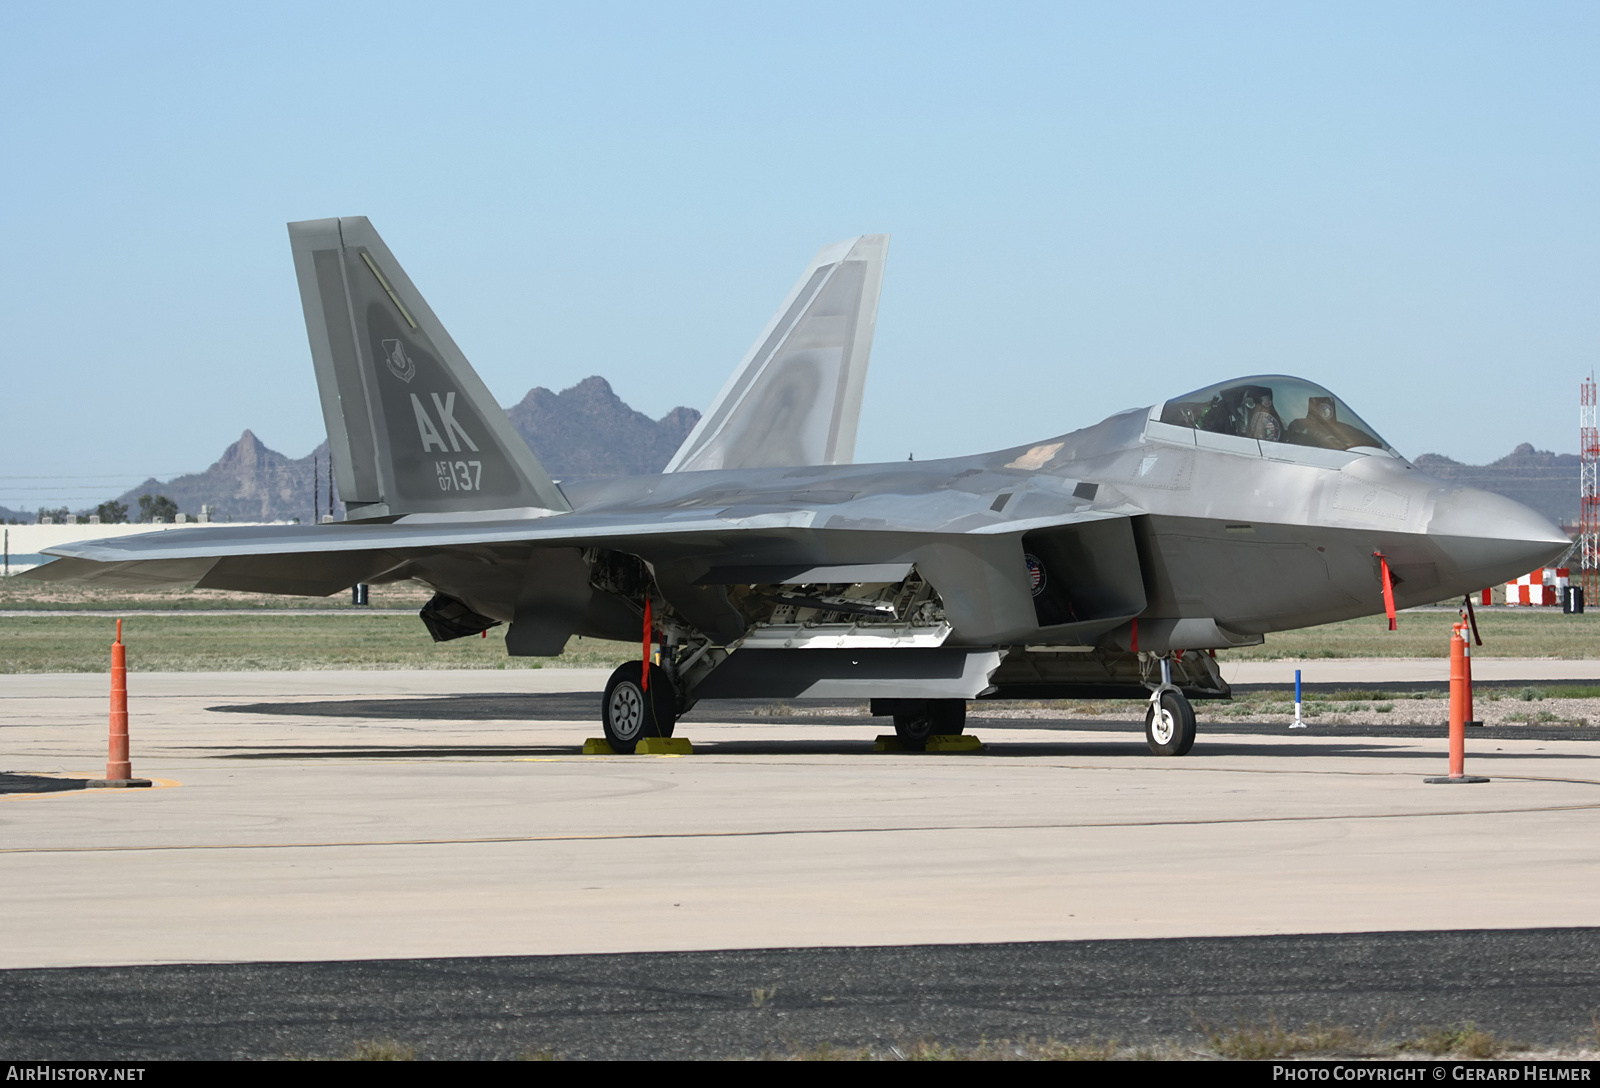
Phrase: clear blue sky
(1093,206)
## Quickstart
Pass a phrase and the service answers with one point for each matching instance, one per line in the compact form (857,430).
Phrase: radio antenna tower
(1588,492)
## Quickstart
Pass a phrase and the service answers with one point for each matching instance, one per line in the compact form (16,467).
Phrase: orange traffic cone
(1460,693)
(119,770)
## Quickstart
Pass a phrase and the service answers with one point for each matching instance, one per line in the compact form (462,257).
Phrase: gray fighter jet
(1109,561)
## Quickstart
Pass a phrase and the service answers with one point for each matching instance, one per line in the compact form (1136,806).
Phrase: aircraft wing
(324,559)
(317,560)
(541,573)
(795,398)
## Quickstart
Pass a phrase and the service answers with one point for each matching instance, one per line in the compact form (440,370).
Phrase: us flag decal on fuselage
(1036,576)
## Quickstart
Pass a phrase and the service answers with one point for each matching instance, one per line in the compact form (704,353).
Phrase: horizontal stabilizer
(796,397)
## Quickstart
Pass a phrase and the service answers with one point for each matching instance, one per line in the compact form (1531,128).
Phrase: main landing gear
(1169,720)
(632,710)
(930,718)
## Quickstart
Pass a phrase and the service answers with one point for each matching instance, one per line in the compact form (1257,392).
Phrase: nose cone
(1491,538)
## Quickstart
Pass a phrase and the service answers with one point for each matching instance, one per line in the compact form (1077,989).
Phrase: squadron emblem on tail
(400,364)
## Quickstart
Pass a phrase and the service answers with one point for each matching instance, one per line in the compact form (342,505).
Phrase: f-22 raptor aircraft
(1109,561)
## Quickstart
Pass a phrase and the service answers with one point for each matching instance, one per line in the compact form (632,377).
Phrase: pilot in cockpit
(1322,427)
(1265,423)
(1250,408)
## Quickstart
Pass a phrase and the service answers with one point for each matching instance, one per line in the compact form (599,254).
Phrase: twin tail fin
(796,397)
(412,428)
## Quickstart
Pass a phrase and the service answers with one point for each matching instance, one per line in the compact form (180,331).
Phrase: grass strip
(211,643)
(355,638)
(1534,633)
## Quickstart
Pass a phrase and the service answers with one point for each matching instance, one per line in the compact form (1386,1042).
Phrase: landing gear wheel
(629,713)
(1169,729)
(933,718)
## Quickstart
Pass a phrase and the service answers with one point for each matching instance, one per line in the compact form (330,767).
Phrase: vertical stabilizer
(796,397)
(411,426)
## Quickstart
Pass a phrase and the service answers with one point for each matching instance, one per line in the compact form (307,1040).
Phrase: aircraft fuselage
(1138,519)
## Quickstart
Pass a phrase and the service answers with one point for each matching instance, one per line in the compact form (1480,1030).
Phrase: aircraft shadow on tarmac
(556,706)
(1132,749)
(388,751)
(11,782)
(1215,738)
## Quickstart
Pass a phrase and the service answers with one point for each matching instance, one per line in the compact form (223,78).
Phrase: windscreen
(1273,408)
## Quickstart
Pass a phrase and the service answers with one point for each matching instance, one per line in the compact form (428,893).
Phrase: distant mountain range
(248,483)
(583,432)
(1545,481)
(587,432)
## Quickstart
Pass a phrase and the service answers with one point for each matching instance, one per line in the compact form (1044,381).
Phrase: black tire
(934,718)
(628,713)
(1171,733)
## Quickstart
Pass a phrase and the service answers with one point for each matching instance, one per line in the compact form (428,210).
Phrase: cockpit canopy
(1273,408)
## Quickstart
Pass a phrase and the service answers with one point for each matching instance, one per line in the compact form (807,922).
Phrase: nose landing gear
(1169,721)
(1169,724)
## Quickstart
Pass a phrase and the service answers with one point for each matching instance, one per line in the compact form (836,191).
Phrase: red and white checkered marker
(1542,587)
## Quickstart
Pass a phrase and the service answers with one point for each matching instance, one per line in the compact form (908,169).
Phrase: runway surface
(1530,986)
(309,821)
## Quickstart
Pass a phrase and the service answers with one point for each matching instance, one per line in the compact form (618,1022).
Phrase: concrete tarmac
(280,837)
(336,856)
